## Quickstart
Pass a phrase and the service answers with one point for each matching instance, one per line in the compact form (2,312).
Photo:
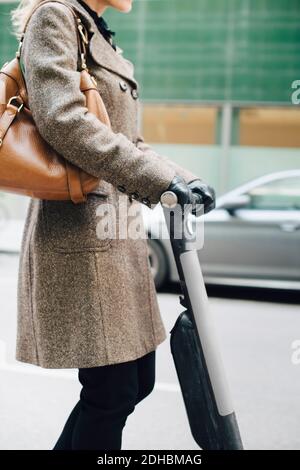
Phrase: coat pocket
(88,226)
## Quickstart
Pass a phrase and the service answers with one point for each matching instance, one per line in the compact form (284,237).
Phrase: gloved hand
(207,193)
(183,192)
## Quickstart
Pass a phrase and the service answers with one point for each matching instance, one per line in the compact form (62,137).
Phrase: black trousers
(108,395)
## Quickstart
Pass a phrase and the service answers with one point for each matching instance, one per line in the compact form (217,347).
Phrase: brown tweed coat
(85,300)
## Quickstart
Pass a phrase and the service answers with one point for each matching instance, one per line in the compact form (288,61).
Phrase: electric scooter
(193,341)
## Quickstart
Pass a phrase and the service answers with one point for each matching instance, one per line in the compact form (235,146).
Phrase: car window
(282,194)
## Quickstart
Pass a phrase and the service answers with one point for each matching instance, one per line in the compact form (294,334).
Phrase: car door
(260,240)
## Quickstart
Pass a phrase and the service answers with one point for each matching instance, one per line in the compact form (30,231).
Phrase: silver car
(251,238)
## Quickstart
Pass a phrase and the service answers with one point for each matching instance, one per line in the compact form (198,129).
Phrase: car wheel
(158,262)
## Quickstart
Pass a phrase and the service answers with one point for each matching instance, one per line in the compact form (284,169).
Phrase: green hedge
(204,49)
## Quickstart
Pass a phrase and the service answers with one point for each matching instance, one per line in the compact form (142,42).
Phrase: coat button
(121,188)
(146,201)
(123,85)
(134,93)
(134,196)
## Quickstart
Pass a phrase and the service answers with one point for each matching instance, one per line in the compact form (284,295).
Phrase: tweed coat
(86,297)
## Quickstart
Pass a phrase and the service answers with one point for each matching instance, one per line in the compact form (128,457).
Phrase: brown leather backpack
(28,164)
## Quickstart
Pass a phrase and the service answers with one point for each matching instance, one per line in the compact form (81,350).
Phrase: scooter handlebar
(169,199)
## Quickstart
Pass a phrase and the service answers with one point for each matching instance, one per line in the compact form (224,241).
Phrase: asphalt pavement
(256,340)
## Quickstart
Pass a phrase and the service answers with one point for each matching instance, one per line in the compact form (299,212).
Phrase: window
(179,124)
(270,127)
(283,194)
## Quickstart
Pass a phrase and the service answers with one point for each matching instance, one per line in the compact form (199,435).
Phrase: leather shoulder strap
(82,35)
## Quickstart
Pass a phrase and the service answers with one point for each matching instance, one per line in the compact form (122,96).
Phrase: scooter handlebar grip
(168,199)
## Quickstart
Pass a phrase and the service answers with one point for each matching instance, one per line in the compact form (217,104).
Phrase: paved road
(255,338)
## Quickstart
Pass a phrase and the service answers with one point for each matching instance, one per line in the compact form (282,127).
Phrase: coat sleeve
(50,56)
(187,175)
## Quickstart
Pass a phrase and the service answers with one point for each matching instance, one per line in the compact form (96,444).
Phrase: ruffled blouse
(101,24)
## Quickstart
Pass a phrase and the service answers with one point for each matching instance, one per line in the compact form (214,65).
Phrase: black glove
(183,192)
(207,193)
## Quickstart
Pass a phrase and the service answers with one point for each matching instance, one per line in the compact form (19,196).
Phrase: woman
(86,301)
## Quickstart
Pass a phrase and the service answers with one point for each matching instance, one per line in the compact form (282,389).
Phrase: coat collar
(100,50)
